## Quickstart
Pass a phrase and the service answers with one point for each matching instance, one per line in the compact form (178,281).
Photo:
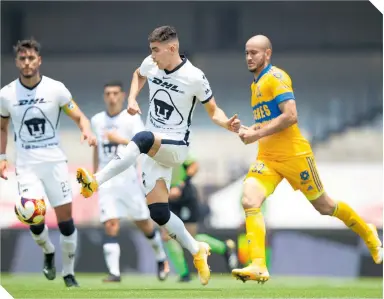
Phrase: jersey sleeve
(203,89)
(93,124)
(146,66)
(281,86)
(4,112)
(64,96)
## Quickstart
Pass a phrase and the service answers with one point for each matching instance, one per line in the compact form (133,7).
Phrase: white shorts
(48,180)
(172,153)
(119,199)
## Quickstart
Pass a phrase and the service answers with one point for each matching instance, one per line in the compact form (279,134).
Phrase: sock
(177,231)
(68,249)
(351,219)
(216,245)
(112,257)
(176,255)
(43,241)
(255,227)
(157,245)
(125,158)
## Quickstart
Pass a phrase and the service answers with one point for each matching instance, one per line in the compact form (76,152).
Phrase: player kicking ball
(175,86)
(122,195)
(283,153)
(34,103)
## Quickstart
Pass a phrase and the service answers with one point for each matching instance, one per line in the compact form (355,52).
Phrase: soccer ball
(30,211)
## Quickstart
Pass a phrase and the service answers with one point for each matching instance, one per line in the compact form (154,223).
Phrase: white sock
(68,250)
(112,257)
(178,231)
(126,157)
(158,248)
(43,241)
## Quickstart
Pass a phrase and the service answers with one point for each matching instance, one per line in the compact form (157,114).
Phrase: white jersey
(125,126)
(173,97)
(35,115)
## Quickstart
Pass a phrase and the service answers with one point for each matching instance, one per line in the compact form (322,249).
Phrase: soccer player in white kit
(175,86)
(122,195)
(34,102)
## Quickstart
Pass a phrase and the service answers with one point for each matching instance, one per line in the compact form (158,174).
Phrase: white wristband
(3,157)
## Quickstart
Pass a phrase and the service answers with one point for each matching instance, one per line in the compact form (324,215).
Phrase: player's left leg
(190,215)
(303,175)
(57,186)
(341,210)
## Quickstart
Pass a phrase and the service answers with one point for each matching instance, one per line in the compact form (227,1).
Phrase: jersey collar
(113,116)
(263,72)
(184,60)
(33,87)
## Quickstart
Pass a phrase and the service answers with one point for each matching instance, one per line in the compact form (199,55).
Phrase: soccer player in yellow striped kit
(283,153)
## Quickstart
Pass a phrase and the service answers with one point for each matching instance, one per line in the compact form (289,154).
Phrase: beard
(258,67)
(29,76)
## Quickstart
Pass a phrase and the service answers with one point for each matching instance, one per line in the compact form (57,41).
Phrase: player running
(184,203)
(175,86)
(283,153)
(122,195)
(34,103)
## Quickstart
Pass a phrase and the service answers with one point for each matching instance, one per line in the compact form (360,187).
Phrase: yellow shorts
(300,172)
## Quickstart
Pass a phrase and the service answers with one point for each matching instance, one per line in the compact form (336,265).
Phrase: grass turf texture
(220,286)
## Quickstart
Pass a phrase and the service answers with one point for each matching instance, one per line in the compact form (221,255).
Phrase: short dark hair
(114,83)
(27,44)
(163,34)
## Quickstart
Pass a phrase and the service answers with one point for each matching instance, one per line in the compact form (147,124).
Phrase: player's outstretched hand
(3,169)
(234,124)
(248,135)
(91,139)
(133,107)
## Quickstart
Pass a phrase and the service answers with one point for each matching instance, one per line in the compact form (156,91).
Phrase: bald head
(258,51)
(260,41)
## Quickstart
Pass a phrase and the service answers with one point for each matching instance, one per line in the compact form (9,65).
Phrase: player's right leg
(55,178)
(143,142)
(259,183)
(30,185)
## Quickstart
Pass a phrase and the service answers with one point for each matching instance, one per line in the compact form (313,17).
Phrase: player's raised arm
(138,81)
(73,111)
(204,94)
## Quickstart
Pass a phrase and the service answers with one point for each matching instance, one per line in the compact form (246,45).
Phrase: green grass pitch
(220,286)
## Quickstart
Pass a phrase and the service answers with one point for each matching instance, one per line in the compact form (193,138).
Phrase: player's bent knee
(253,194)
(112,227)
(144,141)
(37,229)
(324,205)
(160,212)
(67,228)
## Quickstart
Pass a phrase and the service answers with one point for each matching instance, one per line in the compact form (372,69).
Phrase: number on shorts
(258,167)
(65,188)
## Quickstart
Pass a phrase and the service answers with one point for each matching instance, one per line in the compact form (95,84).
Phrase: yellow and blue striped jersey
(272,87)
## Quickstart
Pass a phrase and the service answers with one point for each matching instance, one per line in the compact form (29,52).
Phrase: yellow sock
(351,219)
(255,227)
